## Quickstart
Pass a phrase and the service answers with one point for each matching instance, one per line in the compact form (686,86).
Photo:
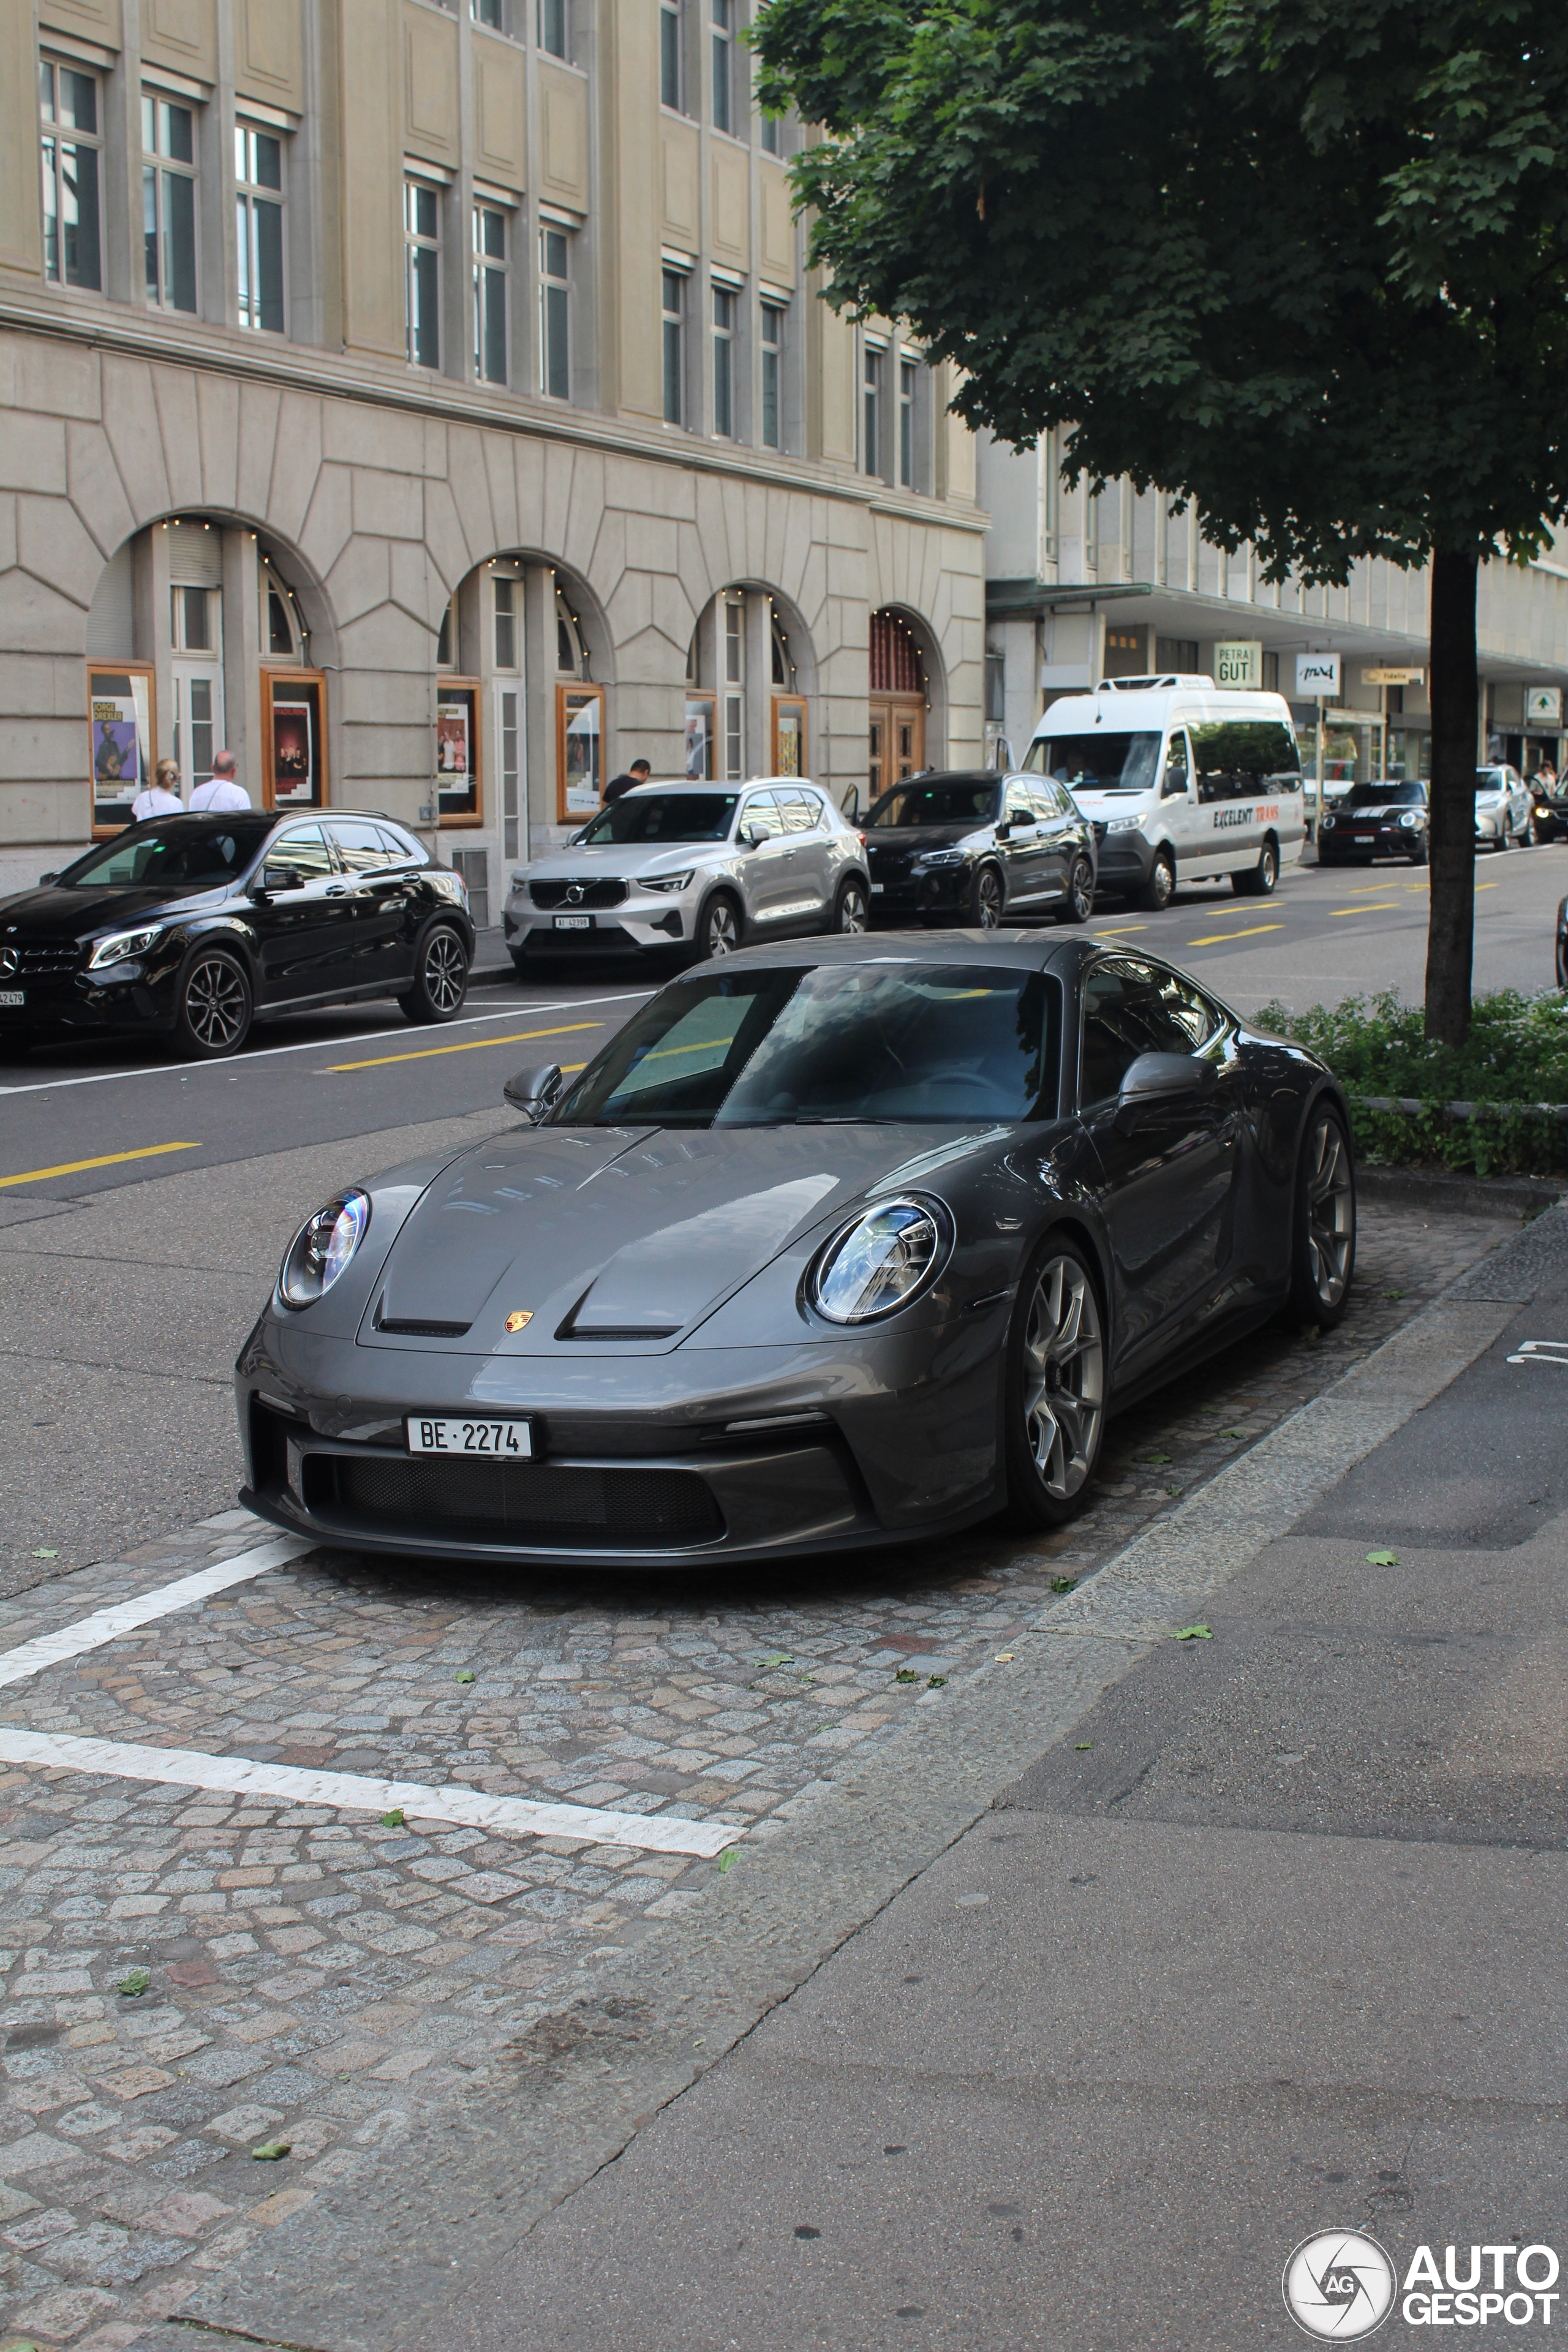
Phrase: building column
(242,659)
(539,668)
(759,682)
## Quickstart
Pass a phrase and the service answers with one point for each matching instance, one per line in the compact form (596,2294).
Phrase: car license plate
(1361,837)
(574,922)
(13,997)
(878,889)
(507,1441)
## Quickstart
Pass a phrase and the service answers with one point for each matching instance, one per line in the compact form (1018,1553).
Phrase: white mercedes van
(1183,781)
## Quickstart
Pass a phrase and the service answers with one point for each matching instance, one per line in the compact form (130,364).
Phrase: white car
(1502,808)
(709,867)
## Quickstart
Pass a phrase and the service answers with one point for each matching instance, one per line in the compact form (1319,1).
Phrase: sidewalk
(1267,1942)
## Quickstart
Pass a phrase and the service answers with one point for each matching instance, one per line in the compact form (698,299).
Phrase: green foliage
(1516,1054)
(1302,261)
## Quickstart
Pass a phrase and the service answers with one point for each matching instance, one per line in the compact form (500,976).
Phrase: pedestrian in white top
(162,797)
(220,791)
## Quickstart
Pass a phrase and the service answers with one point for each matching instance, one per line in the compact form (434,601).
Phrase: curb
(1437,1189)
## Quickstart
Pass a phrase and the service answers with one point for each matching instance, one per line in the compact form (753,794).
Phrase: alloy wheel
(988,901)
(445,971)
(1080,890)
(216,1004)
(852,909)
(1331,1212)
(720,935)
(1064,1377)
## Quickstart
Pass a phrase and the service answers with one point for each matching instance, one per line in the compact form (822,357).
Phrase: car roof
(707,785)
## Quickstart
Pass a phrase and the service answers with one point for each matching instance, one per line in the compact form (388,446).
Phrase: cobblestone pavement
(190,1980)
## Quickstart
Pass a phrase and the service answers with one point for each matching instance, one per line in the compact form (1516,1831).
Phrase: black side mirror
(1155,1080)
(533,1091)
(1004,830)
(277,878)
(45,879)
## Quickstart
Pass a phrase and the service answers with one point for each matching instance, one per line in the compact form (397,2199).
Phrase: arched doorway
(899,703)
(746,678)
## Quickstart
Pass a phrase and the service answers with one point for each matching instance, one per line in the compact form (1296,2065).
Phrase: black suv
(196,925)
(979,845)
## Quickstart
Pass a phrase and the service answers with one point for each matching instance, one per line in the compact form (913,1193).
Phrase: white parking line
(109,1624)
(470,1808)
(317,1045)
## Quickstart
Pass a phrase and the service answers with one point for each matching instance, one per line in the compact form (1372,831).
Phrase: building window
(669,49)
(907,423)
(490,13)
(773,353)
(724,361)
(674,347)
(489,294)
(554,313)
(422,272)
(723,111)
(259,227)
(771,132)
(553,27)
(1176,654)
(446,637)
(68,102)
(506,617)
(872,435)
(169,202)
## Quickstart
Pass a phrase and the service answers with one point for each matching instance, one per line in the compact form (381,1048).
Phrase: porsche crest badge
(515,1321)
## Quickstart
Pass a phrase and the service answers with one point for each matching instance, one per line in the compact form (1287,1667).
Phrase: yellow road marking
(1106,931)
(1379,906)
(1217,939)
(1367,888)
(470,1045)
(108,1159)
(1489,886)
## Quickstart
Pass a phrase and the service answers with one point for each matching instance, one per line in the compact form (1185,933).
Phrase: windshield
(1098,761)
(1394,795)
(955,799)
(186,852)
(664,816)
(1493,780)
(934,1044)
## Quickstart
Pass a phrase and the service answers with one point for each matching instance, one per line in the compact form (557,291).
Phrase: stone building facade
(433,404)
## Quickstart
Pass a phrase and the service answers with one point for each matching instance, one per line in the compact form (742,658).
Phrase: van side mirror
(1155,1080)
(534,1090)
(1175,784)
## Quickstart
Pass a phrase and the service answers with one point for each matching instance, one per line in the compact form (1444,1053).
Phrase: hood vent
(412,1326)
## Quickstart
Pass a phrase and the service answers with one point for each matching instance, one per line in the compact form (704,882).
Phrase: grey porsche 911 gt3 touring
(836,1244)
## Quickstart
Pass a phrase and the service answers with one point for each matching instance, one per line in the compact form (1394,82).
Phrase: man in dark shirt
(637,773)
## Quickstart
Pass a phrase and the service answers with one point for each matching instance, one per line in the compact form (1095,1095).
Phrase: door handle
(337,889)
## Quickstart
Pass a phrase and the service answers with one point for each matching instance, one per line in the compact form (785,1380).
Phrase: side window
(359,846)
(761,814)
(800,810)
(1129,1009)
(1238,758)
(305,849)
(1017,806)
(400,852)
(1050,803)
(1175,781)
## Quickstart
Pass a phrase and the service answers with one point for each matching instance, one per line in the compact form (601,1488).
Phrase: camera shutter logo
(1339,2286)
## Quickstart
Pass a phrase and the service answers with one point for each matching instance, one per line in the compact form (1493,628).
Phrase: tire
(214,1006)
(1261,882)
(1538,834)
(1078,904)
(720,928)
(440,977)
(1324,1222)
(987,900)
(1419,855)
(852,908)
(1054,1393)
(1161,888)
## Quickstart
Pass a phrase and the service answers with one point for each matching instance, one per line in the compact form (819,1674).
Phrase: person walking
(221,791)
(637,773)
(162,797)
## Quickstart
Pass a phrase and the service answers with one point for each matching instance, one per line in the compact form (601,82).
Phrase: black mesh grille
(544,1502)
(598,891)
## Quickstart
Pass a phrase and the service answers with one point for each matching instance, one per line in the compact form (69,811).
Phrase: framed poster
(700,738)
(293,739)
(579,753)
(458,752)
(789,736)
(120,737)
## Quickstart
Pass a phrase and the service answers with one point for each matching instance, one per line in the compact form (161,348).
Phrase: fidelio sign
(1240,664)
(1317,673)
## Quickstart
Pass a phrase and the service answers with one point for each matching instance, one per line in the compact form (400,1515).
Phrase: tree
(1304,262)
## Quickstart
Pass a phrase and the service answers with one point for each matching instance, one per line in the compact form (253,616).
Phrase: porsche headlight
(882,1260)
(119,945)
(322,1248)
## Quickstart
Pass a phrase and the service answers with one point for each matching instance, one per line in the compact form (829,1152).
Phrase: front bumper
(940,890)
(1339,842)
(644,919)
(124,999)
(1125,860)
(637,1459)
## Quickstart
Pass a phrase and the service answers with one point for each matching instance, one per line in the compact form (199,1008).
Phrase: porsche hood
(616,1234)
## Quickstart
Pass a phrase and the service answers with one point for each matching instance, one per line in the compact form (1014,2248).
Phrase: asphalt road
(80,1119)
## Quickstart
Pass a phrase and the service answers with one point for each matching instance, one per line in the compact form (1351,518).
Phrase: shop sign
(1239,663)
(1543,705)
(1317,673)
(1394,677)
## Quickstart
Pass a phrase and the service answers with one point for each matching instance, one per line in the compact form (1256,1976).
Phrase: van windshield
(1098,761)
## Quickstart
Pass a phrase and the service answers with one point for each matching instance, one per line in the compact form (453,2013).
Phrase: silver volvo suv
(706,866)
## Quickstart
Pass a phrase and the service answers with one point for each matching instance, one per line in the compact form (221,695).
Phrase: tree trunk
(1451,926)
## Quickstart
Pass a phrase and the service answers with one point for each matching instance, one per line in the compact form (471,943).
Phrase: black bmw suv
(981,846)
(196,925)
